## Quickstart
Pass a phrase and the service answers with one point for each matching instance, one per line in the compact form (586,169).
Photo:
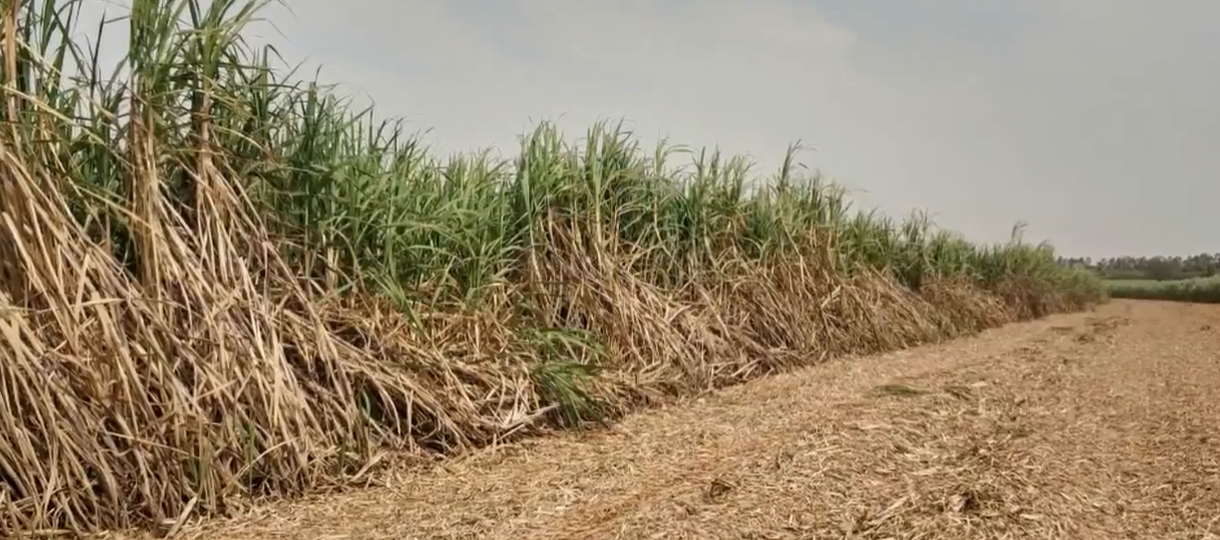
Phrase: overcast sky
(1095,121)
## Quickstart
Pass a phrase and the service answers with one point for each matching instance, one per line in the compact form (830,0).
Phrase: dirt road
(1094,425)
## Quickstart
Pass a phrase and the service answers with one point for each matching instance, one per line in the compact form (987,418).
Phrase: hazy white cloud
(1093,120)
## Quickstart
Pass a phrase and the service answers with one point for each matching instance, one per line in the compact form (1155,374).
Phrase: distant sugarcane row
(1201,290)
(1150,268)
(217,283)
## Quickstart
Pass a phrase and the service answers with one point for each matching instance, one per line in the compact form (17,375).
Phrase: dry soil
(1093,425)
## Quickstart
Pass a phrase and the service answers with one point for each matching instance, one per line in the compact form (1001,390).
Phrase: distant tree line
(1158,268)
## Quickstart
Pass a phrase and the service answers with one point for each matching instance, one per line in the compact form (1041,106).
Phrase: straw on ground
(1087,426)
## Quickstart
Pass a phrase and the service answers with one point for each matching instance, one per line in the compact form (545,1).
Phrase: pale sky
(1095,121)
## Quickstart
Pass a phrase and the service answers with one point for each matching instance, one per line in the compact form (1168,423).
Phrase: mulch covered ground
(1092,425)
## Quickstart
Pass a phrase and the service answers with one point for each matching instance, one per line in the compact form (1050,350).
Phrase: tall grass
(1201,290)
(218,282)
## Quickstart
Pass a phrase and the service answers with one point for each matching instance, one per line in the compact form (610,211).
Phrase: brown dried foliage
(212,374)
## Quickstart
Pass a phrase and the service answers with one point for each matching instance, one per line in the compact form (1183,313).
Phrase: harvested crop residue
(1029,431)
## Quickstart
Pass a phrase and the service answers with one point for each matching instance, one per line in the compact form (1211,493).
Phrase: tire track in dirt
(1091,425)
